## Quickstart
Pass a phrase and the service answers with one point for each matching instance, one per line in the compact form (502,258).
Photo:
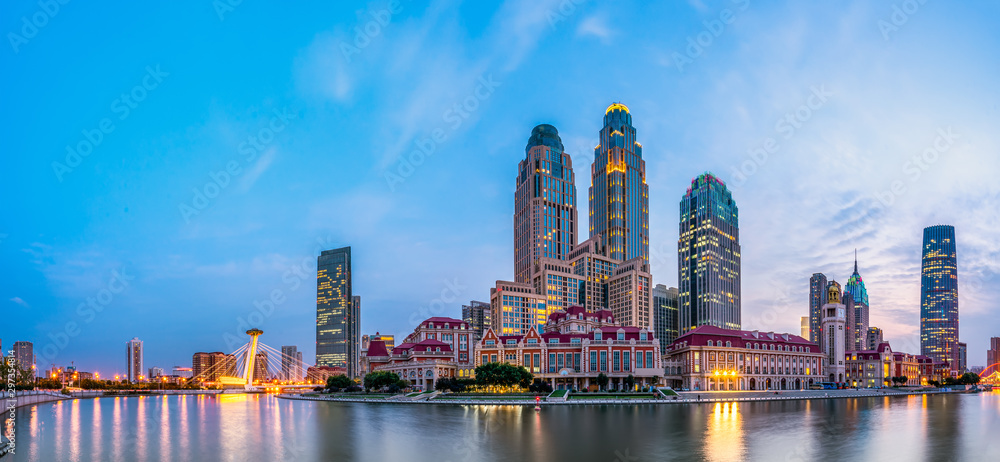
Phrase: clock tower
(834,319)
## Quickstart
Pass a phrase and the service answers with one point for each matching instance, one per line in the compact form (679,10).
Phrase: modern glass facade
(817,298)
(619,195)
(859,293)
(939,296)
(545,216)
(666,315)
(338,312)
(709,256)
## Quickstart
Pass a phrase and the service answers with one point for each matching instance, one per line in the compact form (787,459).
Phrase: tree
(540,386)
(630,383)
(887,381)
(381,379)
(969,378)
(23,379)
(602,380)
(338,382)
(502,375)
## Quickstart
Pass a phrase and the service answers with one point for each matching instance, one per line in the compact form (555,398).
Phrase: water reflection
(724,439)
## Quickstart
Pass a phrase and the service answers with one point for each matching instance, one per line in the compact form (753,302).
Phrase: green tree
(969,378)
(340,381)
(629,383)
(602,380)
(381,379)
(23,379)
(502,375)
(540,386)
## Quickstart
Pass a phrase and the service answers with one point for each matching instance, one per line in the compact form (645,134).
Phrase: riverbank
(34,397)
(683,398)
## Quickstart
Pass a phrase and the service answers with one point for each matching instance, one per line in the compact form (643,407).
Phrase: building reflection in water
(724,439)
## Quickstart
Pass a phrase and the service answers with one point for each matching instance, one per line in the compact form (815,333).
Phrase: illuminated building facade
(804,327)
(338,312)
(24,355)
(834,340)
(817,298)
(963,358)
(291,363)
(874,338)
(438,348)
(619,195)
(545,216)
(574,347)
(709,256)
(859,293)
(939,296)
(133,359)
(666,320)
(478,315)
(208,367)
(711,358)
(993,354)
(516,308)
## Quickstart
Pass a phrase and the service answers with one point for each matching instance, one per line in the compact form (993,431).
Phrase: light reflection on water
(247,428)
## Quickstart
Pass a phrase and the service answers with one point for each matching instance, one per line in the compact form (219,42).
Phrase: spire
(855,260)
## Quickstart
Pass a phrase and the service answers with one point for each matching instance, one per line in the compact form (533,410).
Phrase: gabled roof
(377,348)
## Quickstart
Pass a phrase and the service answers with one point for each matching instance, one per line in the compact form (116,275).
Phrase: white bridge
(240,373)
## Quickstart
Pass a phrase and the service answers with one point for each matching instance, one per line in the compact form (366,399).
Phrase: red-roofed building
(870,368)
(575,347)
(713,359)
(439,347)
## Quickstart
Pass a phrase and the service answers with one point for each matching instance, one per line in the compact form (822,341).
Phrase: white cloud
(595,26)
(21,302)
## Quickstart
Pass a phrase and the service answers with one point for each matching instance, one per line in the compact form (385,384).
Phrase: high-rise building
(804,327)
(477,314)
(859,328)
(666,320)
(993,354)
(208,367)
(874,338)
(289,363)
(515,308)
(155,372)
(24,355)
(133,358)
(963,358)
(261,369)
(619,195)
(300,369)
(545,220)
(817,298)
(939,296)
(709,256)
(834,344)
(338,312)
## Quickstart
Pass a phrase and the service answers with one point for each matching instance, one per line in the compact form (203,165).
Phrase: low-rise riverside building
(438,348)
(870,368)
(715,359)
(574,347)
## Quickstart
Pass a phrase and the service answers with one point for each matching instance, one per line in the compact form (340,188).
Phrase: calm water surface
(253,427)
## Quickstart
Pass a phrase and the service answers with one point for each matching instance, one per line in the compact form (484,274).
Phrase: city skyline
(115,233)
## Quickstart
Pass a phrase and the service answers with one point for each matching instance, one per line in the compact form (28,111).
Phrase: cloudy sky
(171,174)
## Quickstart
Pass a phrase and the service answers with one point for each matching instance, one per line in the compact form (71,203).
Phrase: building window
(626,360)
(552,362)
(642,336)
(618,359)
(553,340)
(729,344)
(493,358)
(597,335)
(576,362)
(490,342)
(638,360)
(604,361)
(536,364)
(649,359)
(532,341)
(710,343)
(621,336)
(593,361)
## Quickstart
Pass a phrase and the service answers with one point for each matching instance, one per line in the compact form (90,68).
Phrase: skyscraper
(939,296)
(874,338)
(133,358)
(709,256)
(477,314)
(859,328)
(619,196)
(963,358)
(545,221)
(289,362)
(993,354)
(834,345)
(666,320)
(804,327)
(337,312)
(817,298)
(24,355)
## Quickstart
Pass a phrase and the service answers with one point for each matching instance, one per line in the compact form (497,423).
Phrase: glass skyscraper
(856,288)
(817,298)
(939,296)
(338,312)
(544,203)
(619,196)
(708,257)
(665,314)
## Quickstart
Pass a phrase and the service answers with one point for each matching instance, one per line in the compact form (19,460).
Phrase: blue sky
(226,146)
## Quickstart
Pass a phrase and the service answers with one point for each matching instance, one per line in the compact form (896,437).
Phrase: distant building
(155,372)
(963,358)
(666,315)
(993,354)
(708,256)
(24,355)
(388,339)
(133,358)
(516,308)
(478,315)
(804,327)
(874,338)
(338,312)
(817,298)
(261,367)
(319,374)
(939,296)
(859,293)
(208,367)
(870,368)
(438,348)
(711,358)
(834,341)
(291,364)
(183,372)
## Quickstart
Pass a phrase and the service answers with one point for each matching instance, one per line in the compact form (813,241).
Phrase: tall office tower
(804,327)
(619,196)
(993,354)
(709,256)
(289,362)
(629,297)
(261,369)
(963,358)
(300,368)
(24,355)
(874,338)
(856,287)
(939,296)
(133,358)
(665,315)
(337,312)
(544,203)
(477,314)
(817,298)
(834,345)
(515,308)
